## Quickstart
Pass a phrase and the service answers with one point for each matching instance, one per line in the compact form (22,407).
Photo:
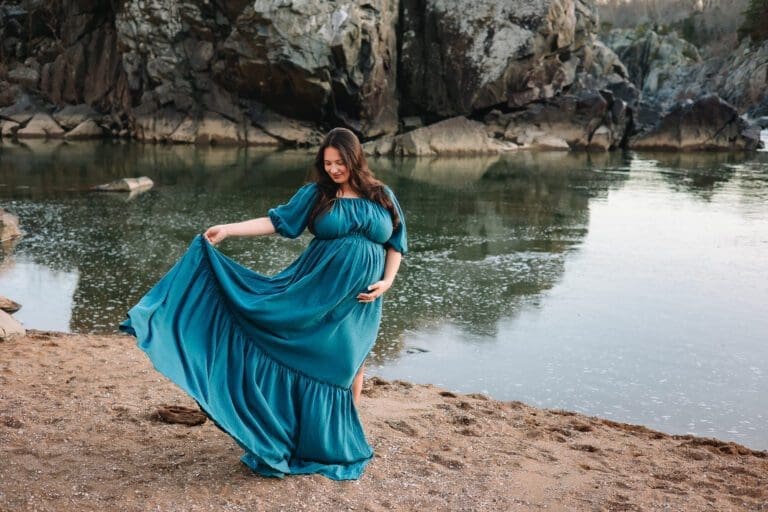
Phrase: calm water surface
(632,287)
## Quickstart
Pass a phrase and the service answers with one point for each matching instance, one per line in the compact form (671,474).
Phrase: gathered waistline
(353,235)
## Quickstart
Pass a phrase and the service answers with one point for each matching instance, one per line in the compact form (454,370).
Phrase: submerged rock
(708,123)
(142,183)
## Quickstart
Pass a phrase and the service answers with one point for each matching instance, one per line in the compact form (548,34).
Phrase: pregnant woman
(277,362)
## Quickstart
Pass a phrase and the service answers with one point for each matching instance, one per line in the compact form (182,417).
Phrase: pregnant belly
(354,258)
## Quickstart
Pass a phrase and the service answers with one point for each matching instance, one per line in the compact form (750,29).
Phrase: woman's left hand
(374,291)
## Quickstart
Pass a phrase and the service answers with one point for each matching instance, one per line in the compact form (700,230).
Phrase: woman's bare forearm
(253,227)
(392,265)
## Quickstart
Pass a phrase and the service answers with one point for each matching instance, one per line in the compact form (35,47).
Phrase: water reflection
(487,233)
(616,284)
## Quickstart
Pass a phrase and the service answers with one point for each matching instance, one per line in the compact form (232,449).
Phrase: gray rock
(380,147)
(26,76)
(8,128)
(708,123)
(72,115)
(217,130)
(40,126)
(459,56)
(157,126)
(574,119)
(286,130)
(454,136)
(21,110)
(8,305)
(343,66)
(257,137)
(10,327)
(141,183)
(88,129)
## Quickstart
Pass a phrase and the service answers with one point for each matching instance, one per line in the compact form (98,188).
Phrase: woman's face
(335,166)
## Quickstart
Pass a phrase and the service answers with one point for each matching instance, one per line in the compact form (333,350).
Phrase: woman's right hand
(216,234)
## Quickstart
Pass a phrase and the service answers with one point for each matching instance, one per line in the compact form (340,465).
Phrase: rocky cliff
(280,72)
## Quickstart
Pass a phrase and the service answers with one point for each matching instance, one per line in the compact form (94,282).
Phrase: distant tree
(755,21)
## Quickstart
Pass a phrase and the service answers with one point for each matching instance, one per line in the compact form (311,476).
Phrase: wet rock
(455,136)
(41,125)
(8,305)
(708,123)
(88,129)
(10,327)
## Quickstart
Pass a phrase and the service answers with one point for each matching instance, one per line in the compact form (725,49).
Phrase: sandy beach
(79,431)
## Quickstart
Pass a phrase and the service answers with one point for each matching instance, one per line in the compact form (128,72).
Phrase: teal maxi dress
(271,359)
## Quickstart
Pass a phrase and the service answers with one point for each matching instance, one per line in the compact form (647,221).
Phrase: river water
(627,286)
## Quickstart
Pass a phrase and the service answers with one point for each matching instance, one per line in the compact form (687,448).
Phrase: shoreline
(78,431)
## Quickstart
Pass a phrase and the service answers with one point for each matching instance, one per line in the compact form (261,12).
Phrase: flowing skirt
(270,359)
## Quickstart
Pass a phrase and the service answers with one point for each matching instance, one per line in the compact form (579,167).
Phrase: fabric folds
(271,358)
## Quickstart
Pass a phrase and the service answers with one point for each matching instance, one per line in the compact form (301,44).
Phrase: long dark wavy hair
(361,178)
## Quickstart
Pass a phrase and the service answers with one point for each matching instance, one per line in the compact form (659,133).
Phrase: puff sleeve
(399,239)
(290,219)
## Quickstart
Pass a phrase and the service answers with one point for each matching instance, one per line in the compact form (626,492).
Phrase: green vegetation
(755,21)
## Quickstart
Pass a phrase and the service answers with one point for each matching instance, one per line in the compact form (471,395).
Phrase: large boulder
(315,60)
(667,69)
(41,125)
(461,56)
(590,121)
(88,129)
(456,136)
(73,115)
(708,123)
(659,65)
(8,305)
